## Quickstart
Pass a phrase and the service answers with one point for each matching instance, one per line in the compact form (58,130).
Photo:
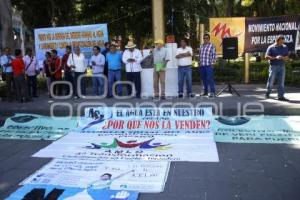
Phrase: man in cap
(132,58)
(160,59)
(277,53)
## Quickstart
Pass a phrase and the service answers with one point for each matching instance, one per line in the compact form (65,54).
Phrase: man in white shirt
(97,63)
(31,71)
(184,60)
(7,73)
(132,58)
(77,63)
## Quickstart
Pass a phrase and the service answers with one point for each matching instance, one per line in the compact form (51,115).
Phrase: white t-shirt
(78,61)
(186,60)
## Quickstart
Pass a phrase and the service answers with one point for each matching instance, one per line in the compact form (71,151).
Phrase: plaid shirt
(207,54)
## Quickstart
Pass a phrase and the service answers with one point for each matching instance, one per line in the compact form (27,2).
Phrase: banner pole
(247,67)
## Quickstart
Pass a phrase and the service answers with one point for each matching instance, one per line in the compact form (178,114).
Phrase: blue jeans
(276,71)
(98,85)
(184,73)
(207,76)
(114,75)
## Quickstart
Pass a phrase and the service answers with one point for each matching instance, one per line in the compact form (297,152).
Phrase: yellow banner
(227,27)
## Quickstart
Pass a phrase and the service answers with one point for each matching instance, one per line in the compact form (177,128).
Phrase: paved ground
(245,171)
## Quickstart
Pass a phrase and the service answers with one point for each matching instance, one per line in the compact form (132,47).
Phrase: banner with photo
(227,27)
(136,176)
(257,129)
(146,121)
(84,36)
(36,127)
(262,31)
(34,192)
(132,148)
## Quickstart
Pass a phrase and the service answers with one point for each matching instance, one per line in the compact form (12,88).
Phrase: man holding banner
(277,53)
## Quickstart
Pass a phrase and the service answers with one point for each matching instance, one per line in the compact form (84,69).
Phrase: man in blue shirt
(7,73)
(114,62)
(277,53)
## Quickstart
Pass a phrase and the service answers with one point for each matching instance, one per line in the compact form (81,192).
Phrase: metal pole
(247,67)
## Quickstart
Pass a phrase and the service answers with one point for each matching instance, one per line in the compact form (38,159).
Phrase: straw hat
(130,45)
(159,41)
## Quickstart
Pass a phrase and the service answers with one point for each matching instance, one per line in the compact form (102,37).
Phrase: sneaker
(267,96)
(163,97)
(191,95)
(76,97)
(180,96)
(204,94)
(283,99)
(212,95)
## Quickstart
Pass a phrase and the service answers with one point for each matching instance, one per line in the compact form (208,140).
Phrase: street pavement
(245,171)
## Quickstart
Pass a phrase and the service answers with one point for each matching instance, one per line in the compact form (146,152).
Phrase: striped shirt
(207,54)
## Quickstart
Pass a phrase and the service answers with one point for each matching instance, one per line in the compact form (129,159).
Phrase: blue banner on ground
(85,36)
(40,192)
(257,129)
(36,127)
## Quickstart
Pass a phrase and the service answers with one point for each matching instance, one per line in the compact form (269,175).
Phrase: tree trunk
(6,29)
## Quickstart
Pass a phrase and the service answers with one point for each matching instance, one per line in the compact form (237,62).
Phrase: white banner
(149,121)
(138,176)
(137,148)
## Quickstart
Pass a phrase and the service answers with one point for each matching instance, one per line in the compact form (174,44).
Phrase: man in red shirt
(18,67)
(67,69)
(56,72)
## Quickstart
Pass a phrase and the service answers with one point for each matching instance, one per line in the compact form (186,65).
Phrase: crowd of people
(20,72)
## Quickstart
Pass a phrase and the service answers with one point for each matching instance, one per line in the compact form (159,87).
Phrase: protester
(132,58)
(277,53)
(207,58)
(77,62)
(104,52)
(97,62)
(56,73)
(46,70)
(67,69)
(7,73)
(114,62)
(160,59)
(18,67)
(184,59)
(31,71)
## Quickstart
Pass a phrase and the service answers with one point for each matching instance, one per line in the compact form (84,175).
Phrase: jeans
(114,75)
(207,76)
(276,71)
(184,73)
(9,80)
(134,77)
(98,85)
(21,89)
(32,85)
(68,78)
(82,84)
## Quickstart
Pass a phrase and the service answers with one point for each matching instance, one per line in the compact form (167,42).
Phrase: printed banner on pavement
(133,148)
(137,176)
(146,121)
(257,129)
(36,127)
(34,192)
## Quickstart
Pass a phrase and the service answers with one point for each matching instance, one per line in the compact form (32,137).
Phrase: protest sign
(137,176)
(84,36)
(147,121)
(36,127)
(257,129)
(34,192)
(263,31)
(133,148)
